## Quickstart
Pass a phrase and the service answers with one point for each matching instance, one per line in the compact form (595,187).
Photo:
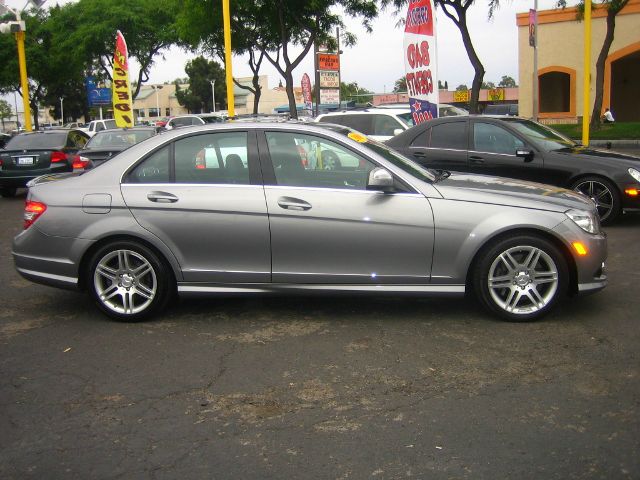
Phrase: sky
(376,61)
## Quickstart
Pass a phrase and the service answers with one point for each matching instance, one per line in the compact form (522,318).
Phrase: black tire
(330,161)
(8,192)
(604,193)
(129,282)
(529,276)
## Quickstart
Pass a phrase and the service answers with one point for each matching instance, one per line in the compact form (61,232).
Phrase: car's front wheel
(128,281)
(521,278)
(604,194)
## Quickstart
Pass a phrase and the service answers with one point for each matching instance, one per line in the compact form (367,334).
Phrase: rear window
(37,140)
(106,139)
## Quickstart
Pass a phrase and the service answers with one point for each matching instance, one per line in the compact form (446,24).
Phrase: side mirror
(380,179)
(397,131)
(527,155)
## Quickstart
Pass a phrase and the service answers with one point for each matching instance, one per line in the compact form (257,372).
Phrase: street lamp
(156,88)
(213,94)
(61,111)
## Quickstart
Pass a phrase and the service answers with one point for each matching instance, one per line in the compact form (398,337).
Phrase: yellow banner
(461,96)
(496,94)
(122,105)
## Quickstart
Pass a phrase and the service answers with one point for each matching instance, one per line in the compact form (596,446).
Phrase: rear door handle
(289,203)
(162,197)
(476,160)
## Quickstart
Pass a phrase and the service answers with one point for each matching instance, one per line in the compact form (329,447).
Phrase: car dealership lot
(320,387)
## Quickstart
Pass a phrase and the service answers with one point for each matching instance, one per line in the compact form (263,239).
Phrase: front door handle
(162,197)
(476,160)
(289,203)
(419,154)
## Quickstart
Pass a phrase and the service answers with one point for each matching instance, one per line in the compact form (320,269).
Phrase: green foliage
(615,131)
(507,82)
(5,111)
(400,85)
(461,87)
(197,97)
(351,91)
(488,85)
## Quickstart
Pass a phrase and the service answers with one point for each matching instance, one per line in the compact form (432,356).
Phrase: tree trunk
(475,62)
(257,93)
(293,108)
(34,112)
(602,58)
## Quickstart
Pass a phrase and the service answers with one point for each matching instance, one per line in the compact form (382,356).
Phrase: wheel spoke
(107,272)
(535,297)
(109,292)
(503,281)
(509,261)
(142,270)
(144,291)
(544,277)
(532,258)
(512,299)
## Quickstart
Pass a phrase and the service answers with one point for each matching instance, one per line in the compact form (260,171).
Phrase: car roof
(368,111)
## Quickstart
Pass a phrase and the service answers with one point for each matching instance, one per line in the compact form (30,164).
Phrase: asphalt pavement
(320,387)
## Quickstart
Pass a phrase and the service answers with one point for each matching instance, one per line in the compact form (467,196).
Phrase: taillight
(58,157)
(200,160)
(32,211)
(80,162)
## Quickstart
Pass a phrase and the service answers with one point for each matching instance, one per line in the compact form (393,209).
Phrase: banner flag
(122,104)
(306,94)
(419,50)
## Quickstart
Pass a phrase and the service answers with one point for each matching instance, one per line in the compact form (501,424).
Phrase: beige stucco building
(561,65)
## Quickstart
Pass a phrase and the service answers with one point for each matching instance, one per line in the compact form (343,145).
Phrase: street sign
(330,95)
(461,96)
(495,94)
(328,61)
(330,79)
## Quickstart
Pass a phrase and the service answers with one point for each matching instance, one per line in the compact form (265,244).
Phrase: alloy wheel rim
(599,194)
(125,282)
(523,280)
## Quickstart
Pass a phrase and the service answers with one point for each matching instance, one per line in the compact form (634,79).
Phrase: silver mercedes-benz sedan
(293,207)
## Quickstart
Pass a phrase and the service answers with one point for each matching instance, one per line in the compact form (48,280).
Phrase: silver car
(264,207)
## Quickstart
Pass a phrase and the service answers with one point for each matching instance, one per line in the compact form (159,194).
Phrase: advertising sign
(329,95)
(328,61)
(306,93)
(532,28)
(461,96)
(420,60)
(329,80)
(96,96)
(122,108)
(496,94)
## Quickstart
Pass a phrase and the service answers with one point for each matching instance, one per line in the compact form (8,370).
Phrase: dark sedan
(106,144)
(523,149)
(29,155)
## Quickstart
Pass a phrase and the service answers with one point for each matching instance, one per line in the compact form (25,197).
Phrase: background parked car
(108,143)
(190,120)
(502,109)
(96,126)
(4,138)
(378,123)
(518,148)
(29,155)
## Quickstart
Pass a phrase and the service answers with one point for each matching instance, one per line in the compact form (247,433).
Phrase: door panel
(443,146)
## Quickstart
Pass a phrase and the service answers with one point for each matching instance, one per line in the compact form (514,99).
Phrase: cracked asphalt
(320,387)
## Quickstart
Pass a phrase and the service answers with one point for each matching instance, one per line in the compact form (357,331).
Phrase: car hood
(606,156)
(507,191)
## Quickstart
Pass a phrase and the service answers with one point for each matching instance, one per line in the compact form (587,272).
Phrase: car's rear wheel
(521,278)
(604,194)
(128,281)
(8,192)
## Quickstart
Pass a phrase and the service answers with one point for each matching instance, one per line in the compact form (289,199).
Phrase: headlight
(588,221)
(635,174)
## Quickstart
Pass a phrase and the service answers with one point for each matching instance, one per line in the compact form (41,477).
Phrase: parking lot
(320,387)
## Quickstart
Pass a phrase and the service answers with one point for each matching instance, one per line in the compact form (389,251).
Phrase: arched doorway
(557,92)
(622,84)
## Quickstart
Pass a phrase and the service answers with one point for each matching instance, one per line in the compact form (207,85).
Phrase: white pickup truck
(96,126)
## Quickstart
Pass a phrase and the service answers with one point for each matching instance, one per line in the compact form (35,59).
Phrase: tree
(352,91)
(5,111)
(507,82)
(613,7)
(461,87)
(488,85)
(147,25)
(198,96)
(400,85)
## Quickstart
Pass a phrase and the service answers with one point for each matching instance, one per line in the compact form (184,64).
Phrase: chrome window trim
(493,153)
(170,184)
(343,190)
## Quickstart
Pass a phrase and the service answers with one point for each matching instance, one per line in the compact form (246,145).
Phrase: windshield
(542,135)
(119,138)
(406,118)
(401,161)
(37,140)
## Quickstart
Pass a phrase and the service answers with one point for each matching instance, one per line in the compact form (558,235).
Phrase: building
(560,64)
(157,101)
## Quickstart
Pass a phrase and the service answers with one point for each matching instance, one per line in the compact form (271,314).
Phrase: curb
(615,143)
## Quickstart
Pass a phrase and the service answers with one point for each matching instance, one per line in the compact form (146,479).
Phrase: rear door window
(452,135)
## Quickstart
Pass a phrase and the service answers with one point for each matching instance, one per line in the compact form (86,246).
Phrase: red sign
(419,18)
(306,91)
(328,61)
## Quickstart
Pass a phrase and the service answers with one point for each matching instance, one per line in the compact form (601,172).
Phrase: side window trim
(482,121)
